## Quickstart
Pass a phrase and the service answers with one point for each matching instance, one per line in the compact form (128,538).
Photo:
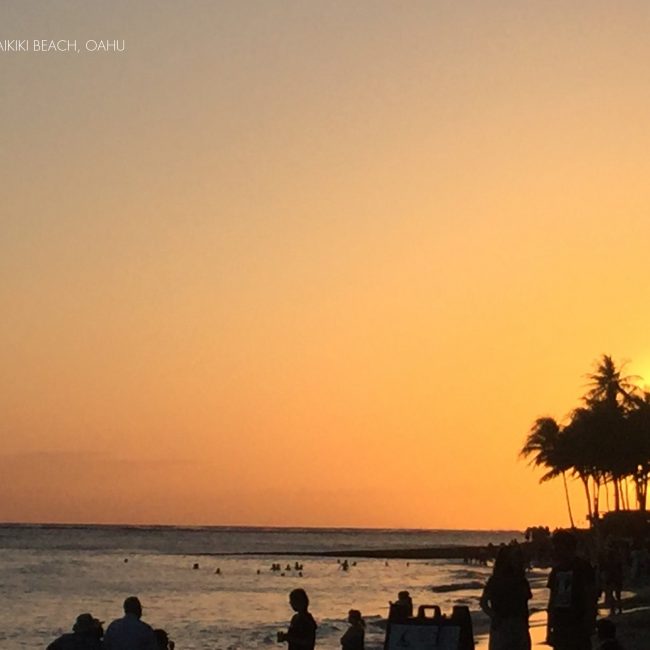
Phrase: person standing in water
(301,634)
(505,600)
(353,639)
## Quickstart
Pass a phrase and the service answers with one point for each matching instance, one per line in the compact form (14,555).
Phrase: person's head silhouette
(133,606)
(299,600)
(564,546)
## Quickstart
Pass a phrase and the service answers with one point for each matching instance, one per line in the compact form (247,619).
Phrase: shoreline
(448,552)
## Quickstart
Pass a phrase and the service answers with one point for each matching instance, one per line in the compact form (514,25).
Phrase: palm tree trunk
(568,500)
(641,487)
(585,483)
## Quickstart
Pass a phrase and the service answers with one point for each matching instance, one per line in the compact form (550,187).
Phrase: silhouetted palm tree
(588,447)
(638,435)
(609,400)
(544,447)
(606,442)
(608,387)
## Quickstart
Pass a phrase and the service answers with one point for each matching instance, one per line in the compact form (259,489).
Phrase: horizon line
(22,524)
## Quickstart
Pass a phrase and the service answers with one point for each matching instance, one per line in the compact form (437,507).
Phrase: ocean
(50,574)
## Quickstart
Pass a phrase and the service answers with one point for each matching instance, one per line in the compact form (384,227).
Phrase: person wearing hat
(86,634)
(129,632)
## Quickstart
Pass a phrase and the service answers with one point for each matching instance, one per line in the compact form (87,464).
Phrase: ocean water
(51,574)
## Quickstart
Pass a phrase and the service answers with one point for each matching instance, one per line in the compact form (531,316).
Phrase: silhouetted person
(607,635)
(129,632)
(162,640)
(572,601)
(612,580)
(505,600)
(86,634)
(353,638)
(301,634)
(402,608)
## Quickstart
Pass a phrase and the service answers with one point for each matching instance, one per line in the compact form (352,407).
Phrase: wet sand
(633,625)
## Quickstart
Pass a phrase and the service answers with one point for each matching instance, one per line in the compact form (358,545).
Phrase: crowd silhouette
(574,584)
(127,633)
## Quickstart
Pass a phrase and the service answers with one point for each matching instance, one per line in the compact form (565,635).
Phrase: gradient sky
(314,263)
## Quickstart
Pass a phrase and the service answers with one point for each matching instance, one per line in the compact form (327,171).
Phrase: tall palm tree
(638,435)
(589,447)
(610,398)
(609,387)
(545,449)
(605,443)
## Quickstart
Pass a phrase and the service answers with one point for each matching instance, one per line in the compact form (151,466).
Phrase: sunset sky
(314,263)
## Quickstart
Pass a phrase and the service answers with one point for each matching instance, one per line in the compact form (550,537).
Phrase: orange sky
(320,263)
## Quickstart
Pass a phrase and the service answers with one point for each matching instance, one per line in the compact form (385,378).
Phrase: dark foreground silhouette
(354,636)
(126,633)
(505,600)
(572,605)
(301,634)
(87,633)
(130,631)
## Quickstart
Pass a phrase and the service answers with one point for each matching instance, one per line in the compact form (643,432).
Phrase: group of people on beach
(572,607)
(571,614)
(572,610)
(127,633)
(131,633)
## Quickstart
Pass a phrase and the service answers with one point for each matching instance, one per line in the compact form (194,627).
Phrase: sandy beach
(633,625)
